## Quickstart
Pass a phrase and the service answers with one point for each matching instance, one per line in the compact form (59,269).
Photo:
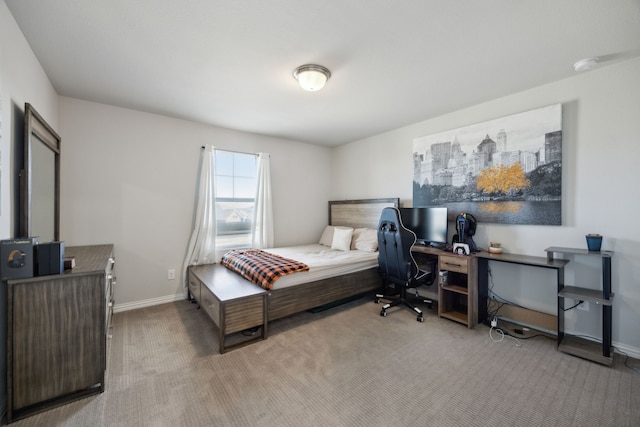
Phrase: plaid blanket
(260,267)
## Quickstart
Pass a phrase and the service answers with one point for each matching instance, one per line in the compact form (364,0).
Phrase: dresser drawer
(110,283)
(457,263)
(194,286)
(244,313)
(211,305)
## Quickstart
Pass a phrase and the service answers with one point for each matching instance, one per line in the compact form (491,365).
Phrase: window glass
(236,185)
(224,163)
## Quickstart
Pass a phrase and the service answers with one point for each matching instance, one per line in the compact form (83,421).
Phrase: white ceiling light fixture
(311,77)
(585,64)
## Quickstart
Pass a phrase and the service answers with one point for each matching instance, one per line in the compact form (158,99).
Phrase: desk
(533,261)
(465,297)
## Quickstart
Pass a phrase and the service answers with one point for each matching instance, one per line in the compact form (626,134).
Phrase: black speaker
(16,258)
(49,258)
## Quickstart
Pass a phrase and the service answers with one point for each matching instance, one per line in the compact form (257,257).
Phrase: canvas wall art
(507,170)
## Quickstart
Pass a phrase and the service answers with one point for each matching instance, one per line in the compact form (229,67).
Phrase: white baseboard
(630,351)
(148,302)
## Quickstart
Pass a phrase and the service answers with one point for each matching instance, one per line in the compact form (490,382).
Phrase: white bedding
(323,263)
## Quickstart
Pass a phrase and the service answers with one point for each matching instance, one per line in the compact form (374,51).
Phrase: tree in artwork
(502,180)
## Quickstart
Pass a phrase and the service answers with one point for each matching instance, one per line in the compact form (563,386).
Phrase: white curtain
(262,233)
(202,246)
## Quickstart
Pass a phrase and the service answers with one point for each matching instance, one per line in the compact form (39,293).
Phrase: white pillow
(327,236)
(365,239)
(342,238)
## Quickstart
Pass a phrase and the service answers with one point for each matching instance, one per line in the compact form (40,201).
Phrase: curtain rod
(231,151)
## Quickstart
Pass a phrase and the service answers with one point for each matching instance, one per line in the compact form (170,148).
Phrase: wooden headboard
(359,213)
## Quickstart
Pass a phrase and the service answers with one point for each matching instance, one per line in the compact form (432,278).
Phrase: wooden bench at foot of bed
(234,304)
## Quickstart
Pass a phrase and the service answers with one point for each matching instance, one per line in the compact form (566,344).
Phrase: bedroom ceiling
(230,63)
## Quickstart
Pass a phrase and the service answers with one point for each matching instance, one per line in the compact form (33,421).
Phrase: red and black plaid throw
(260,267)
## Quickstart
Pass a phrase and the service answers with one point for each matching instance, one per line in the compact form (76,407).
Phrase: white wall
(129,178)
(601,148)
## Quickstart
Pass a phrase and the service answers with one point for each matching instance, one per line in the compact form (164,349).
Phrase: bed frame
(235,305)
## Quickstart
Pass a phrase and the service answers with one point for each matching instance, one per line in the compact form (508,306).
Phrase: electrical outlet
(584,306)
(171,274)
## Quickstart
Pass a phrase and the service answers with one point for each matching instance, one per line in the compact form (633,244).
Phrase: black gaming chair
(396,263)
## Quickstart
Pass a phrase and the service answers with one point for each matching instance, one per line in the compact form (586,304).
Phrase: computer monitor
(430,224)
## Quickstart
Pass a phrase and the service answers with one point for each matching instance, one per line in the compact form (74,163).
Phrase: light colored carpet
(346,366)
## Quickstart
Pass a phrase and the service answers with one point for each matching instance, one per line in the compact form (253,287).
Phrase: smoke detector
(585,64)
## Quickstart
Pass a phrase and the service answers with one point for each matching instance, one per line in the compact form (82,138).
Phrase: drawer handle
(451,263)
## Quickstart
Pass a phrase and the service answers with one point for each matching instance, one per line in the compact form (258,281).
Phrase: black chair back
(395,261)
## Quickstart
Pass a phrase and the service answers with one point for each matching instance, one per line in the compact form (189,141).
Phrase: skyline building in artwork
(445,163)
(553,146)
(501,141)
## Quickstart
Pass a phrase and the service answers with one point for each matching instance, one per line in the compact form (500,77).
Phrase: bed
(235,304)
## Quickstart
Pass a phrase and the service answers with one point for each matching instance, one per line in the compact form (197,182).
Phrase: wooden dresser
(57,329)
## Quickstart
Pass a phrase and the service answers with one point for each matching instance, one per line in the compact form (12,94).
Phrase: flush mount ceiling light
(311,77)
(585,64)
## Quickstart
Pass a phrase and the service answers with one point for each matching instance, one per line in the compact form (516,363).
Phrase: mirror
(40,216)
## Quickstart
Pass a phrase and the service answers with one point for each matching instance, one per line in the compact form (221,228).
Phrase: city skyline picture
(506,170)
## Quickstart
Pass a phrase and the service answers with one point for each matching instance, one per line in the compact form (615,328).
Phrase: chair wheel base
(401,301)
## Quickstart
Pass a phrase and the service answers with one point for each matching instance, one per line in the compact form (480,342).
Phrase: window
(236,184)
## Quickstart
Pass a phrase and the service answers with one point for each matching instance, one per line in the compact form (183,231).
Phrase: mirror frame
(37,130)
